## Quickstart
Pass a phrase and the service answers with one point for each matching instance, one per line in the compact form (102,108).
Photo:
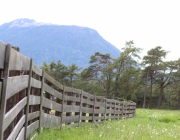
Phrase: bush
(167,119)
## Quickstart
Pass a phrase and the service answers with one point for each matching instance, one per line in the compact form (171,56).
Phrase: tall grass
(146,125)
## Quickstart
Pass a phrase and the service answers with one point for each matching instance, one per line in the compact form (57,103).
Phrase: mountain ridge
(48,42)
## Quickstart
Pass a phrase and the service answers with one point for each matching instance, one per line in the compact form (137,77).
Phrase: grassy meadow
(146,125)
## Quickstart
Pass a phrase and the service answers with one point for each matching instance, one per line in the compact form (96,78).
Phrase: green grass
(146,125)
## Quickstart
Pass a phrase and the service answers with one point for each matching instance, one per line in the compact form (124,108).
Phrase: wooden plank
(88,95)
(68,89)
(126,111)
(51,104)
(119,107)
(87,101)
(9,117)
(119,111)
(32,127)
(21,134)
(18,61)
(86,117)
(49,121)
(36,69)
(2,54)
(108,117)
(125,107)
(109,105)
(118,102)
(52,91)
(98,117)
(71,108)
(52,80)
(34,100)
(99,104)
(35,83)
(110,100)
(69,119)
(86,110)
(131,111)
(71,98)
(99,111)
(33,115)
(17,129)
(116,116)
(73,90)
(78,91)
(109,111)
(132,107)
(16,84)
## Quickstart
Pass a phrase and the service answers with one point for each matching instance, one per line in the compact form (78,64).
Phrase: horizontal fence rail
(30,99)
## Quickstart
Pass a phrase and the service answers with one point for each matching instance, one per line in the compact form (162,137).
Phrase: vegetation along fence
(30,99)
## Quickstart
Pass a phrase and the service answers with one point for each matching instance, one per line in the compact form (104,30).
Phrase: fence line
(30,99)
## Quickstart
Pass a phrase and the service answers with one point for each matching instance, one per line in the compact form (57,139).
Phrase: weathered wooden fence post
(94,108)
(41,102)
(62,107)
(123,109)
(28,95)
(105,108)
(128,109)
(4,88)
(81,96)
(0,89)
(114,108)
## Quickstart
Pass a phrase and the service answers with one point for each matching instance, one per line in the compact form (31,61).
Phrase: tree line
(150,81)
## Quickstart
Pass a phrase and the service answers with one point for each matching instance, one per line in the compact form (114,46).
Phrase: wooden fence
(30,99)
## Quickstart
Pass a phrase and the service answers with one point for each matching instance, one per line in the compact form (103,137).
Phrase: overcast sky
(149,23)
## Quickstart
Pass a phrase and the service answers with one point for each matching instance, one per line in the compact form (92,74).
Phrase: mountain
(48,42)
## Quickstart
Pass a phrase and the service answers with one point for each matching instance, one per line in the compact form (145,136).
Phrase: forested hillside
(150,81)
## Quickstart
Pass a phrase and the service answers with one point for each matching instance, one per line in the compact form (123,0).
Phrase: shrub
(167,119)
